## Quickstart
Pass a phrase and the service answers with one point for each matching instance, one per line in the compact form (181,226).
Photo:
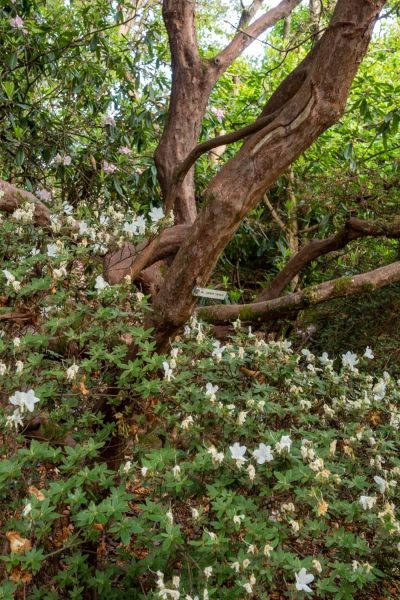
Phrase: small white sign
(206,293)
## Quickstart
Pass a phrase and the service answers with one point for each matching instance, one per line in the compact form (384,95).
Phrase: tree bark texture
(352,230)
(309,100)
(272,309)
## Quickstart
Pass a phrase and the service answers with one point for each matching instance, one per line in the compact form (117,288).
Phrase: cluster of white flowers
(25,213)
(11,280)
(262,454)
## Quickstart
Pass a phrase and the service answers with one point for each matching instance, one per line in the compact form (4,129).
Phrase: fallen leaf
(37,493)
(18,544)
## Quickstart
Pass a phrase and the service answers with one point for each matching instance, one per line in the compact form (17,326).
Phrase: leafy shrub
(247,469)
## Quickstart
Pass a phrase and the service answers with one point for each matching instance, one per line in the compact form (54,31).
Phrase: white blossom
(349,360)
(368,502)
(101,284)
(263,454)
(379,390)
(238,452)
(168,372)
(284,443)
(27,509)
(19,367)
(25,400)
(368,353)
(156,214)
(72,371)
(15,420)
(251,472)
(302,580)
(208,572)
(381,483)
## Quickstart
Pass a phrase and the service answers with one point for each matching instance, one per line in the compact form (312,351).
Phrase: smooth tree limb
(296,301)
(308,101)
(352,230)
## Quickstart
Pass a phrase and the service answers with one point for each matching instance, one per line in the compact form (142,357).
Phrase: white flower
(349,360)
(143,471)
(44,195)
(156,214)
(72,372)
(317,565)
(109,120)
(218,350)
(267,550)
(208,572)
(238,452)
(263,454)
(245,563)
(381,483)
(168,373)
(242,417)
(187,423)
(52,250)
(19,367)
(236,566)
(368,353)
(15,420)
(195,513)
(251,472)
(101,283)
(302,580)
(368,502)
(379,390)
(237,519)
(27,509)
(16,342)
(211,390)
(83,227)
(248,588)
(176,581)
(176,471)
(140,224)
(3,368)
(25,400)
(308,355)
(127,467)
(285,443)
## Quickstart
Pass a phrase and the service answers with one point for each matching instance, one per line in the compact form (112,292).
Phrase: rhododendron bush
(246,469)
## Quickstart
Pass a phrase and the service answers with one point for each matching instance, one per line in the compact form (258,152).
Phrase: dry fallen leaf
(37,493)
(18,575)
(18,544)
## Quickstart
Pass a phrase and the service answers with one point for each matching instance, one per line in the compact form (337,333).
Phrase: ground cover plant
(248,470)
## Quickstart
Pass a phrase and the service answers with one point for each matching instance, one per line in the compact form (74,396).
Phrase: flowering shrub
(248,470)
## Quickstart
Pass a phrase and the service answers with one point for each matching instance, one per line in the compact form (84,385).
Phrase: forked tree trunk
(311,99)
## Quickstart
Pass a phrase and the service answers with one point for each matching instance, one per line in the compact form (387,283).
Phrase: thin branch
(352,230)
(292,303)
(274,214)
(244,38)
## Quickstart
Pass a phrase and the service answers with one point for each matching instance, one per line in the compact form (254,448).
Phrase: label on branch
(205,293)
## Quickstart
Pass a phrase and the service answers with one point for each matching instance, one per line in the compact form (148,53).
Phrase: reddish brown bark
(192,81)
(271,309)
(353,229)
(311,99)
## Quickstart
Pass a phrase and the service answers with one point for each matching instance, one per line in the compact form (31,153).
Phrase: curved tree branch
(12,197)
(244,38)
(131,260)
(292,303)
(352,230)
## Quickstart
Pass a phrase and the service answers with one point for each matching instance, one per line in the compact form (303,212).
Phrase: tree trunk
(311,99)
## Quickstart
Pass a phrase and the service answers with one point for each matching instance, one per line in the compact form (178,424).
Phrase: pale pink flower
(17,22)
(108,167)
(125,150)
